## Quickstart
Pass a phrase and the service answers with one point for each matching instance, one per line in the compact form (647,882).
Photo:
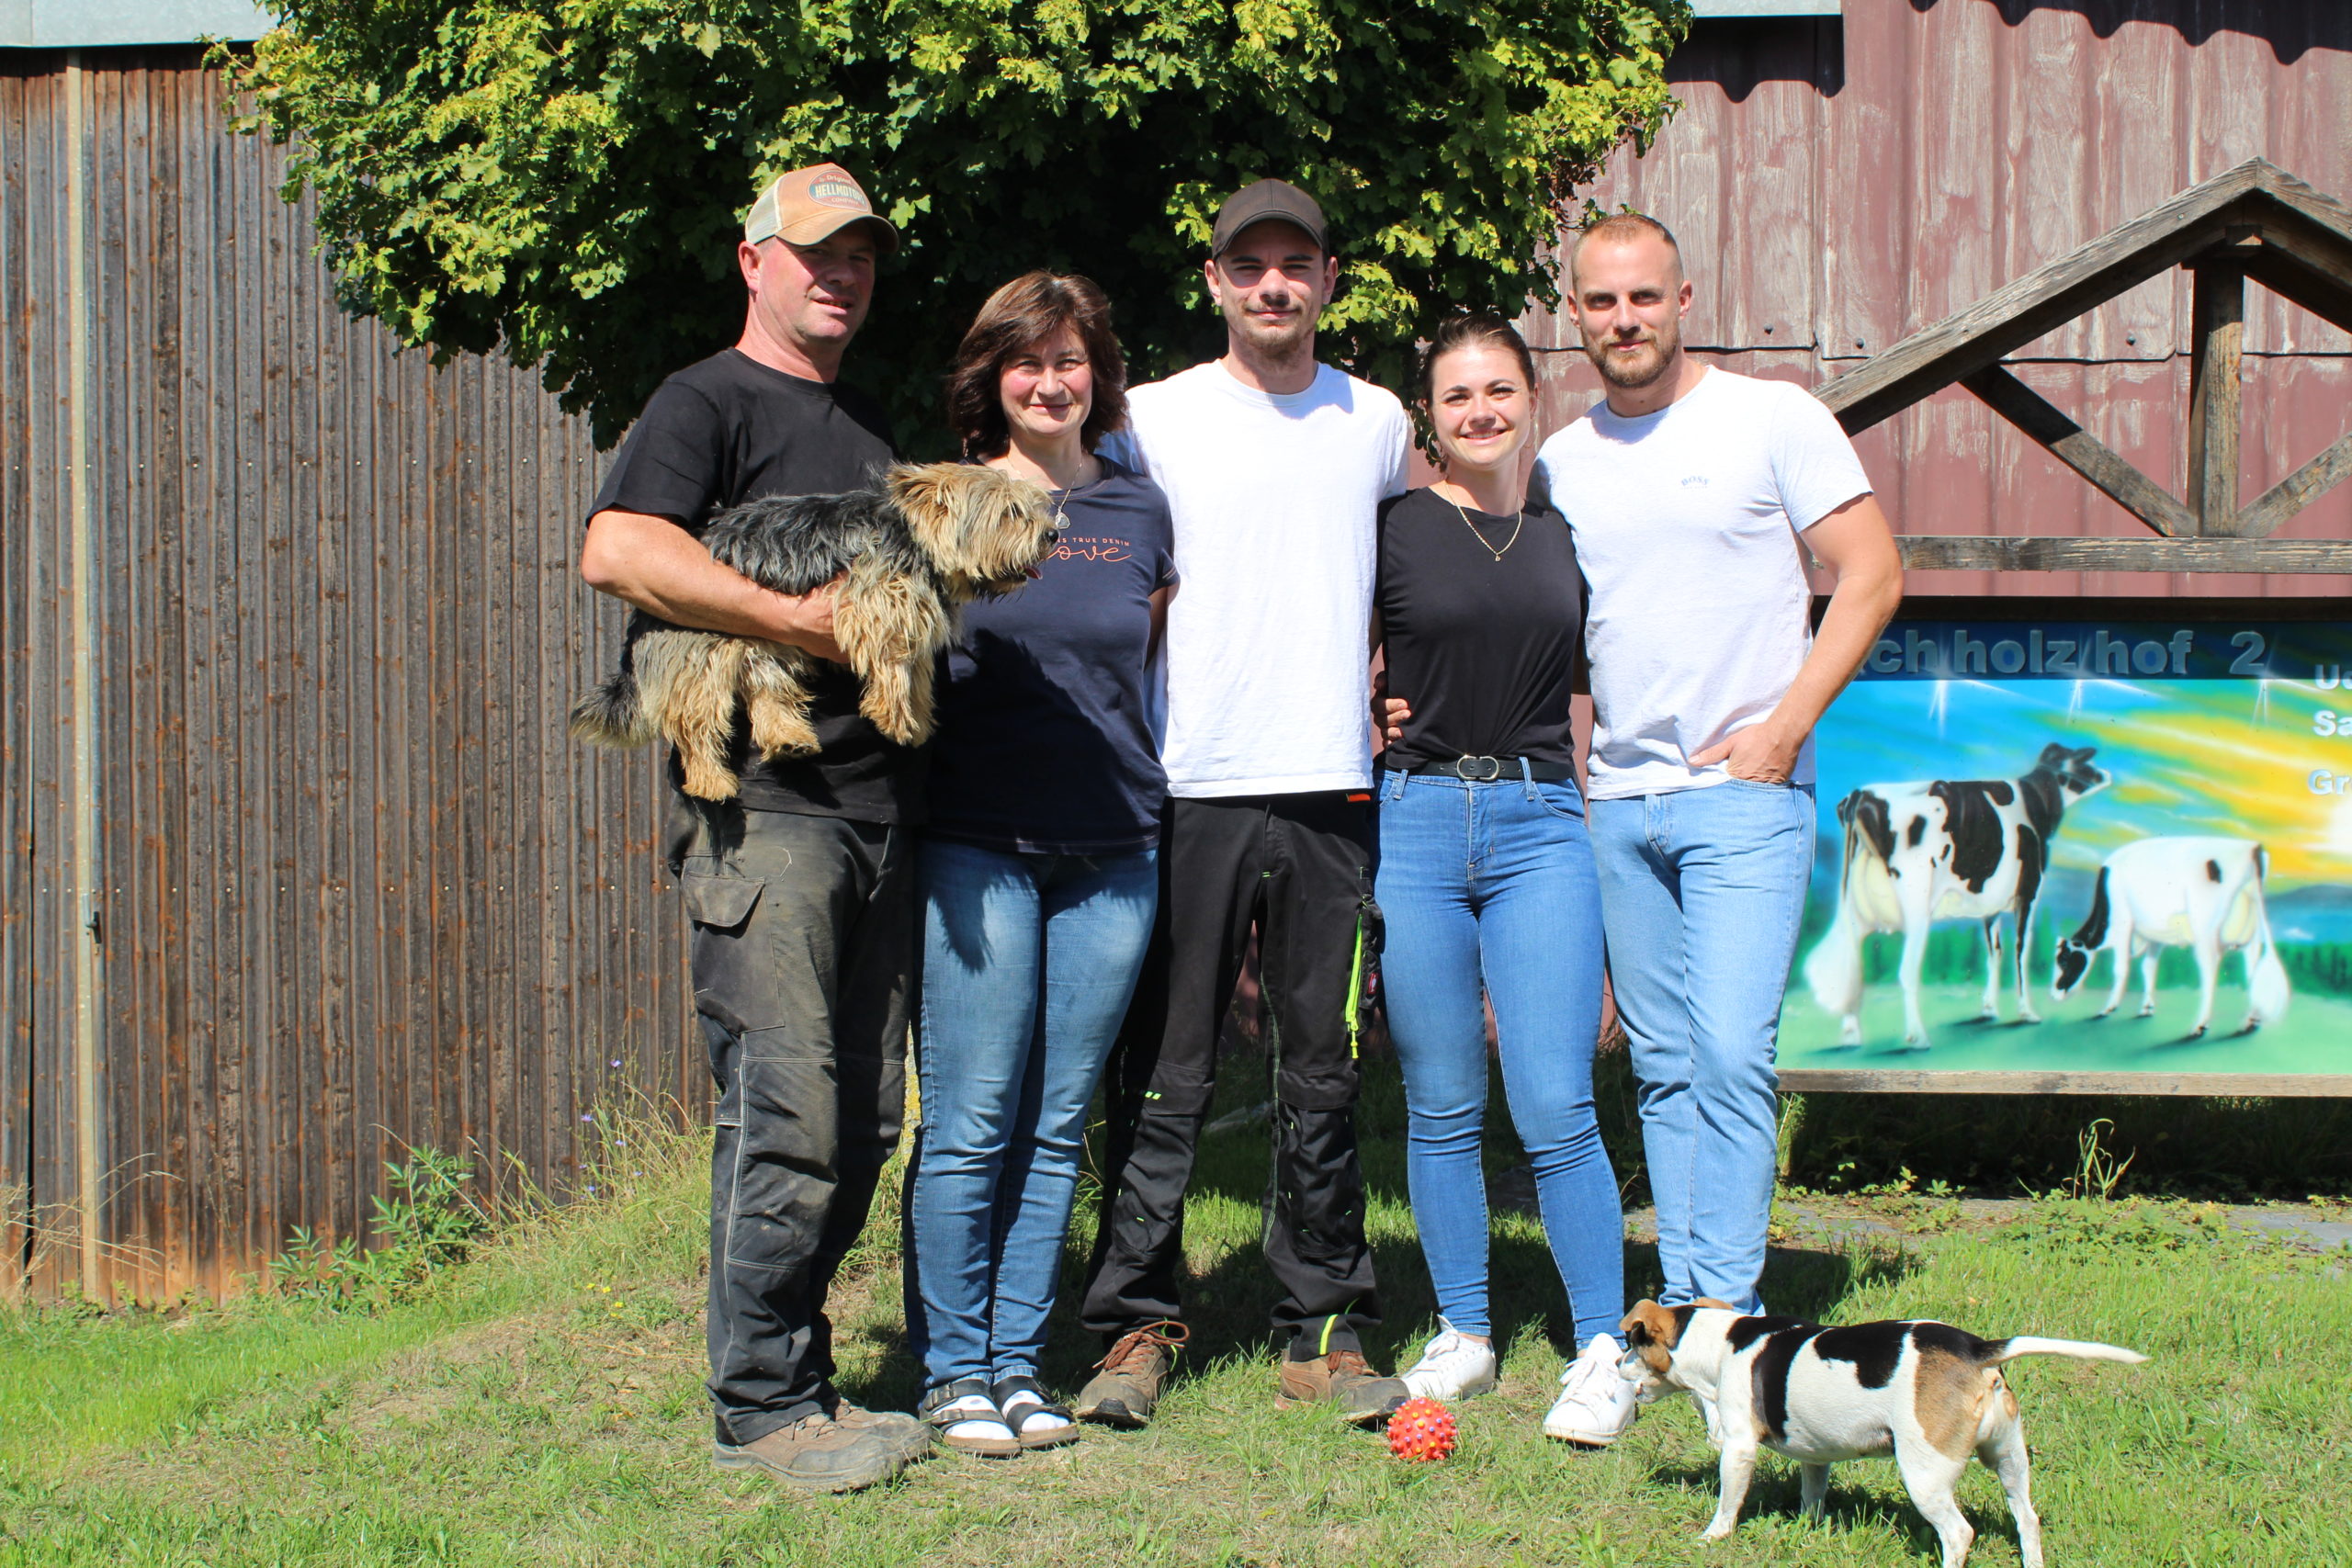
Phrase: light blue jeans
(1702,890)
(1028,961)
(1489,887)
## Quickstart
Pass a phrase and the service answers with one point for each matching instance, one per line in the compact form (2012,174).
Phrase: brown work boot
(1125,1392)
(1344,1379)
(908,1433)
(821,1454)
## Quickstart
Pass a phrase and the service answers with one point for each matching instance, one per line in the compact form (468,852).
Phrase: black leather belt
(1496,770)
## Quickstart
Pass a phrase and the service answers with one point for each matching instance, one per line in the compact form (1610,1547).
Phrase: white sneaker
(1452,1366)
(1596,1402)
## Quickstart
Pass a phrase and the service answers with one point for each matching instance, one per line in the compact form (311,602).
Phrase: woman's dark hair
(1467,331)
(1022,315)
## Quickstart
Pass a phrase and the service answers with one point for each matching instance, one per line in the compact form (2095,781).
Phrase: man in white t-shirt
(1688,489)
(1273,465)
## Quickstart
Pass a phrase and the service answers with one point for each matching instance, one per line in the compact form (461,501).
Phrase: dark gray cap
(1269,198)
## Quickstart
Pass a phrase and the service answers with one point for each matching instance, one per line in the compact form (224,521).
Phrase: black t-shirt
(1045,742)
(1481,649)
(730,430)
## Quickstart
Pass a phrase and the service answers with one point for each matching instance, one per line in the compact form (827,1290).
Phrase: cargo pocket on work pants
(727,973)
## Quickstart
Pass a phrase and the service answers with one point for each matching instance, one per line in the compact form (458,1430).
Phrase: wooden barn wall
(36,668)
(1838,185)
(357,890)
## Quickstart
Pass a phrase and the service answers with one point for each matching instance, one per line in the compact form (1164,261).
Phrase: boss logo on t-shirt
(1696,481)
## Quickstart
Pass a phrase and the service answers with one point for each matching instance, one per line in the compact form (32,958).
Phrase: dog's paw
(709,783)
(785,737)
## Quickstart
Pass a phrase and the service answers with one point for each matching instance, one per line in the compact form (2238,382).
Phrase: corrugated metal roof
(94,24)
(1705,10)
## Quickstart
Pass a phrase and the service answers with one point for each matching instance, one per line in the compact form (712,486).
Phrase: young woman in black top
(1486,875)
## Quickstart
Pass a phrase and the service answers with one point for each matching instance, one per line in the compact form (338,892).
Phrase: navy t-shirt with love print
(1044,743)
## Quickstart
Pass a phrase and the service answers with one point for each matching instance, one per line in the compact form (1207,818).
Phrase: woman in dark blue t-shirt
(1037,867)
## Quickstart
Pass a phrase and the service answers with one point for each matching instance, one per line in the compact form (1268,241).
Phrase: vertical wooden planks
(361,891)
(29,119)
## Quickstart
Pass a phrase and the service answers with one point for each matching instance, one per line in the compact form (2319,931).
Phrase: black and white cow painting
(1950,849)
(2204,893)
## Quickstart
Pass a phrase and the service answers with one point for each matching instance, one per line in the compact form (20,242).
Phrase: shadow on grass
(1226,1307)
(1775,1491)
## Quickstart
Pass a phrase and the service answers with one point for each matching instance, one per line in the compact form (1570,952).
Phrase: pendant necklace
(1516,524)
(1061,497)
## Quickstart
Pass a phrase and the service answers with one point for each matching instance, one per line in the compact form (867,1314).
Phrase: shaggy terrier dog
(932,538)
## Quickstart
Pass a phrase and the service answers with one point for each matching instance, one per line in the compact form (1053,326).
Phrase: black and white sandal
(967,1420)
(1035,1421)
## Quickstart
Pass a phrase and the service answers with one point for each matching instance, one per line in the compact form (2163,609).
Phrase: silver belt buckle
(1462,765)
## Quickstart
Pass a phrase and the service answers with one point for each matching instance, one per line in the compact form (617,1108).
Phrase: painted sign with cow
(2077,846)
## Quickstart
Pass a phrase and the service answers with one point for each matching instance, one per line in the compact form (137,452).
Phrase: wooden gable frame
(2255,221)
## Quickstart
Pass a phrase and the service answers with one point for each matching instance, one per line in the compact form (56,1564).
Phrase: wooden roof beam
(2216,394)
(2081,451)
(2295,237)
(2255,220)
(2295,491)
(2046,298)
(1979,552)
(2285,275)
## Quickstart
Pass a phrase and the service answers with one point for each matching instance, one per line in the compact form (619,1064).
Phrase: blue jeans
(1490,887)
(1028,963)
(1702,890)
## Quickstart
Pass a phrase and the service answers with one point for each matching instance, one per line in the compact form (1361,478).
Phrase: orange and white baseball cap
(804,205)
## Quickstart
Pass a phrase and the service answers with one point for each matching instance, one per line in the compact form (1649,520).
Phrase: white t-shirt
(1685,523)
(1274,497)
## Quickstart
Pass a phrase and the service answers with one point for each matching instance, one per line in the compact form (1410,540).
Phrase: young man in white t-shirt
(1273,465)
(1687,490)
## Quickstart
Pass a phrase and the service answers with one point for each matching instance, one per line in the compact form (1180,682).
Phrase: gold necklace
(1517,523)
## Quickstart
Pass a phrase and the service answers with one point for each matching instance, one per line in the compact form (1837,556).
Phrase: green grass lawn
(544,1406)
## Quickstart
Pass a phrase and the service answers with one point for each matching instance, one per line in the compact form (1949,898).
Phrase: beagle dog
(1925,1392)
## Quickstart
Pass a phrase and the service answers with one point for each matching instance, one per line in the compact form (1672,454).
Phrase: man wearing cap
(799,890)
(1273,467)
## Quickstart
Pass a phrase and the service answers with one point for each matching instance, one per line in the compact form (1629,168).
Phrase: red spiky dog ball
(1421,1430)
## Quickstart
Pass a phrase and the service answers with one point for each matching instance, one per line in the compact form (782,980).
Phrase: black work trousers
(1300,865)
(803,938)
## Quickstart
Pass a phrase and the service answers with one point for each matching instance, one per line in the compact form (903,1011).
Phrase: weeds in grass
(2086,1226)
(2098,1173)
(1921,1211)
(2233,1149)
(427,1223)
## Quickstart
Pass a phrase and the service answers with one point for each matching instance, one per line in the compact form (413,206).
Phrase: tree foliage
(564,180)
